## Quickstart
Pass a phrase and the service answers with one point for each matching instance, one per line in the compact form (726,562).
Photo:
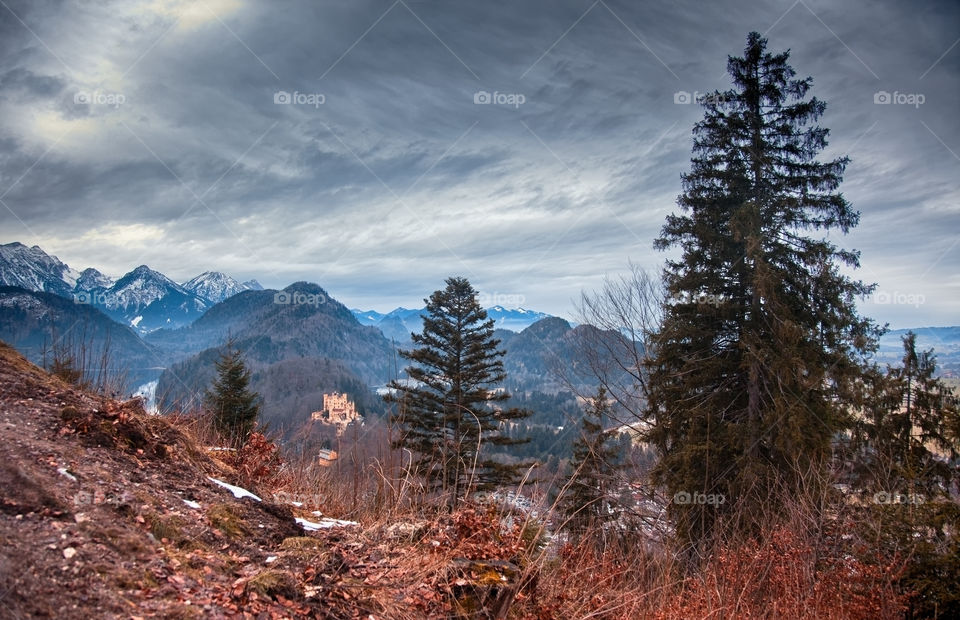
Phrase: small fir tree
(588,501)
(231,402)
(904,440)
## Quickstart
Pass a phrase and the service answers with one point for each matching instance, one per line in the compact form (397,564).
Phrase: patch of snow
(148,392)
(135,322)
(324,524)
(270,559)
(192,504)
(63,472)
(238,492)
(70,276)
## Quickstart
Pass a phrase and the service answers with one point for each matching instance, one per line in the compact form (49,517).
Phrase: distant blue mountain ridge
(399,323)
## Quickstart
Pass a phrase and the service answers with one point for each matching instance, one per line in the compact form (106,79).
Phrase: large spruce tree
(448,415)
(761,343)
(231,402)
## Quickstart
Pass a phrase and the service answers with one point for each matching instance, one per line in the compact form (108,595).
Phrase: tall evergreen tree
(450,418)
(587,501)
(233,405)
(760,344)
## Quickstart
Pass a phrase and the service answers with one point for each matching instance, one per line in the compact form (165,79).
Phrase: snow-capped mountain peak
(90,279)
(514,319)
(215,286)
(34,270)
(143,298)
(138,289)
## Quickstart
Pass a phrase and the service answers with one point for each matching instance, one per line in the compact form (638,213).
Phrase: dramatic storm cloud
(376,147)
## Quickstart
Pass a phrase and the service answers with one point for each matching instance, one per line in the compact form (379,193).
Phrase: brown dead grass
(138,549)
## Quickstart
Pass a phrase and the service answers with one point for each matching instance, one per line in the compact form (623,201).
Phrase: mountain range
(42,325)
(399,323)
(299,341)
(298,351)
(147,300)
(144,299)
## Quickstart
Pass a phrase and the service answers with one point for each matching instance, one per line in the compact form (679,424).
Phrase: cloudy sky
(379,146)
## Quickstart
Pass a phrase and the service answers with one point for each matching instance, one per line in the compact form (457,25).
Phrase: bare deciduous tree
(619,322)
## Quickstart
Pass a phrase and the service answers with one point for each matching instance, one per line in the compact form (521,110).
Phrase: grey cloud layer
(399,179)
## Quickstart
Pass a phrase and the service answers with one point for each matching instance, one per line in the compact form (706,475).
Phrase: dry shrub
(477,532)
(366,484)
(783,576)
(257,463)
(583,581)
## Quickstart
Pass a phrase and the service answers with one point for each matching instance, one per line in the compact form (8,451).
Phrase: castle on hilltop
(338,410)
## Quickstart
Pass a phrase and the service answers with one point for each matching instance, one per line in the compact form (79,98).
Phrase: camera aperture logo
(98,97)
(683,97)
(683,498)
(102,298)
(882,97)
(886,497)
(296,298)
(482,97)
(282,97)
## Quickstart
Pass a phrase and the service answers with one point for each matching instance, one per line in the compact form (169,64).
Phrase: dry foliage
(120,499)
(784,577)
(257,463)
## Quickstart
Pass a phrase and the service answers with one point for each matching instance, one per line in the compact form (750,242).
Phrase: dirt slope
(94,522)
(107,512)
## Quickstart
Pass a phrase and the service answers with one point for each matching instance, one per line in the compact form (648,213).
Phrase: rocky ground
(106,511)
